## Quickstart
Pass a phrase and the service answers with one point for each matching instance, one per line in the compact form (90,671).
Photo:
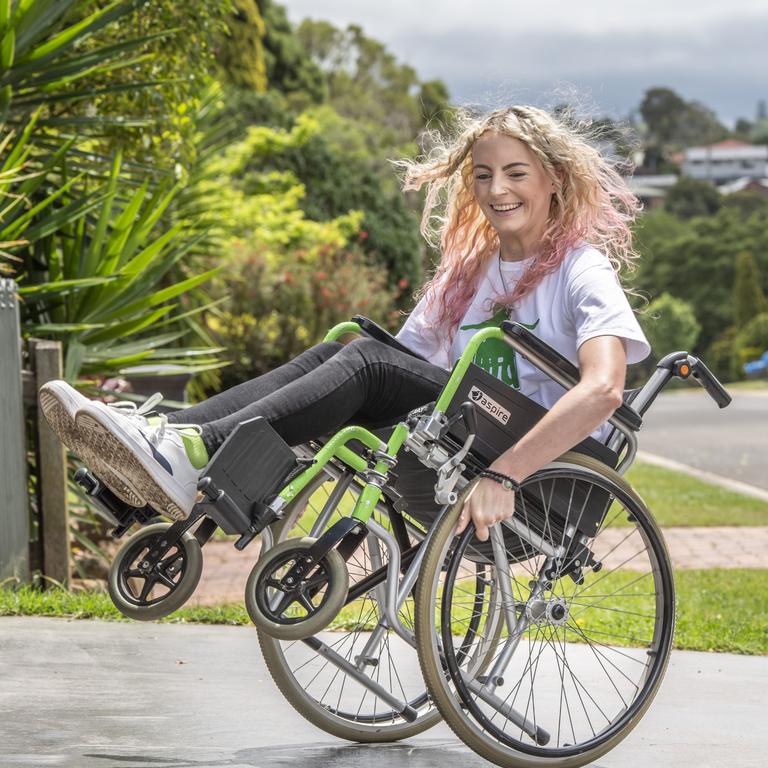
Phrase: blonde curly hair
(592,204)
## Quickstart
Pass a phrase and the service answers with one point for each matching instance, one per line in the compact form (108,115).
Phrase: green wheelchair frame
(298,586)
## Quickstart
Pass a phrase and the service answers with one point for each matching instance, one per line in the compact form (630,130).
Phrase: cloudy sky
(604,54)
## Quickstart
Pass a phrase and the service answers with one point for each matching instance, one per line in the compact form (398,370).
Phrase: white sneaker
(60,403)
(150,461)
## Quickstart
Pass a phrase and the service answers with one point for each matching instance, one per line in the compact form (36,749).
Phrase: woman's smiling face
(513,191)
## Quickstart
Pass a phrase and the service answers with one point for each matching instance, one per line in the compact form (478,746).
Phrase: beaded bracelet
(505,480)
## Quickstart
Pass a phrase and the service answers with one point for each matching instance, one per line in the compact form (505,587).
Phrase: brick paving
(226,570)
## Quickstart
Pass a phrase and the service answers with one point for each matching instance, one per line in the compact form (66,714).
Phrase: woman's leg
(235,398)
(366,380)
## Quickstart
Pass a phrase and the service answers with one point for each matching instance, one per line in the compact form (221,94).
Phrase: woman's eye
(516,175)
(482,177)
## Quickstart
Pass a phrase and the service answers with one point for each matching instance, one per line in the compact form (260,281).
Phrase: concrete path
(689,428)
(226,570)
(81,694)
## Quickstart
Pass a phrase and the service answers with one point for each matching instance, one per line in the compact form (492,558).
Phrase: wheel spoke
(567,672)
(149,582)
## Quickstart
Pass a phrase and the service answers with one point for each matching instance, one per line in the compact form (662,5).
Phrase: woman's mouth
(505,209)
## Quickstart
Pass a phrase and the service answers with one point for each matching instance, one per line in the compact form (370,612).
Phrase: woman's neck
(515,252)
(517,249)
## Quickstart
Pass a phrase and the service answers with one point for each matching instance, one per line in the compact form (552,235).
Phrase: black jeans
(365,382)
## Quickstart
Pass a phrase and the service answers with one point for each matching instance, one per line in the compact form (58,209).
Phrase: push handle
(709,381)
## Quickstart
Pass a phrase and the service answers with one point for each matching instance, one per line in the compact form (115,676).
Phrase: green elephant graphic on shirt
(494,355)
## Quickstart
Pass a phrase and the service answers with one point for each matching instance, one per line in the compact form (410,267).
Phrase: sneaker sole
(111,456)
(59,420)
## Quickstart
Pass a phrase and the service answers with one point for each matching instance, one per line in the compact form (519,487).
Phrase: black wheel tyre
(334,578)
(185,560)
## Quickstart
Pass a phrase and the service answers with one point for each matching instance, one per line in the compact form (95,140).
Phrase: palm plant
(41,56)
(88,235)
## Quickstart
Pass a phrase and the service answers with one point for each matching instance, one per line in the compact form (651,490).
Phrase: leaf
(54,222)
(67,37)
(132,347)
(7,47)
(47,328)
(163,295)
(85,61)
(62,286)
(124,329)
(17,227)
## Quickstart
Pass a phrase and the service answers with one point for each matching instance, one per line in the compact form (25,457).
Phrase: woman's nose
(498,184)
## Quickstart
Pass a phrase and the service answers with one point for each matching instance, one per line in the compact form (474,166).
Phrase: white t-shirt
(580,300)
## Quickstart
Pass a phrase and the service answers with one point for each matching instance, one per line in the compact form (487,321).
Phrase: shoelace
(141,413)
(159,431)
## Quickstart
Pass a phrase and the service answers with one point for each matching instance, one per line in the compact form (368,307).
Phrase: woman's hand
(488,503)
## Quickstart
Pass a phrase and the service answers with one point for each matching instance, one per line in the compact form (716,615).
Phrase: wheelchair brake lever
(448,474)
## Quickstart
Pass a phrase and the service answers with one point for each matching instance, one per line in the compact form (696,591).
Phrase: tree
(435,103)
(670,324)
(748,297)
(337,175)
(290,68)
(691,197)
(662,111)
(241,51)
(672,123)
(366,83)
(694,260)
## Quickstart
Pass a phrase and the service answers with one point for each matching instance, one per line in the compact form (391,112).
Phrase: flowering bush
(279,308)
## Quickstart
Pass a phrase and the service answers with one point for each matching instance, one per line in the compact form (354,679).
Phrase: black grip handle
(709,381)
(470,417)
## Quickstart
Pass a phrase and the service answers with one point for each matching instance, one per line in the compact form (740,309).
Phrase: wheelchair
(544,645)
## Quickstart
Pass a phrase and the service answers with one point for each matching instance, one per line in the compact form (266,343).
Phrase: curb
(708,477)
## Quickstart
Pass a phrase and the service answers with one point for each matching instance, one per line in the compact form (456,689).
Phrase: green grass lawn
(678,499)
(718,610)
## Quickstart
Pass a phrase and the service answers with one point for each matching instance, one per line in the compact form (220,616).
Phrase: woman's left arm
(581,410)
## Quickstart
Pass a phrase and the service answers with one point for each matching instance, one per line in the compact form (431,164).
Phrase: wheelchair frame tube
(336,447)
(342,329)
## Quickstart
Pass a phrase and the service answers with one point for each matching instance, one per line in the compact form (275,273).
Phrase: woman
(535,226)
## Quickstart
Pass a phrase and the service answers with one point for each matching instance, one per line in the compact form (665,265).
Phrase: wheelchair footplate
(116,511)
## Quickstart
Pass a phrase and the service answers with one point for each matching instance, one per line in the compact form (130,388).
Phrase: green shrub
(748,297)
(719,354)
(691,197)
(750,342)
(670,324)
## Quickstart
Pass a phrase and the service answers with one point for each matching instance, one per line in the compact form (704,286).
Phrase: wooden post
(51,472)
(14,502)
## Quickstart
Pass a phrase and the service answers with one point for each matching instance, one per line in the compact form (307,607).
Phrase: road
(87,694)
(689,428)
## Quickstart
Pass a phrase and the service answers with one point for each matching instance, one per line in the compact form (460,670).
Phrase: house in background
(651,189)
(724,162)
(745,183)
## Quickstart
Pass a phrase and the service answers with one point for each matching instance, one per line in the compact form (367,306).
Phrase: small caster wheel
(145,588)
(302,609)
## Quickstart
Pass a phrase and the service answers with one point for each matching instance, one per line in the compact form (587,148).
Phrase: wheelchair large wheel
(146,590)
(323,676)
(586,636)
